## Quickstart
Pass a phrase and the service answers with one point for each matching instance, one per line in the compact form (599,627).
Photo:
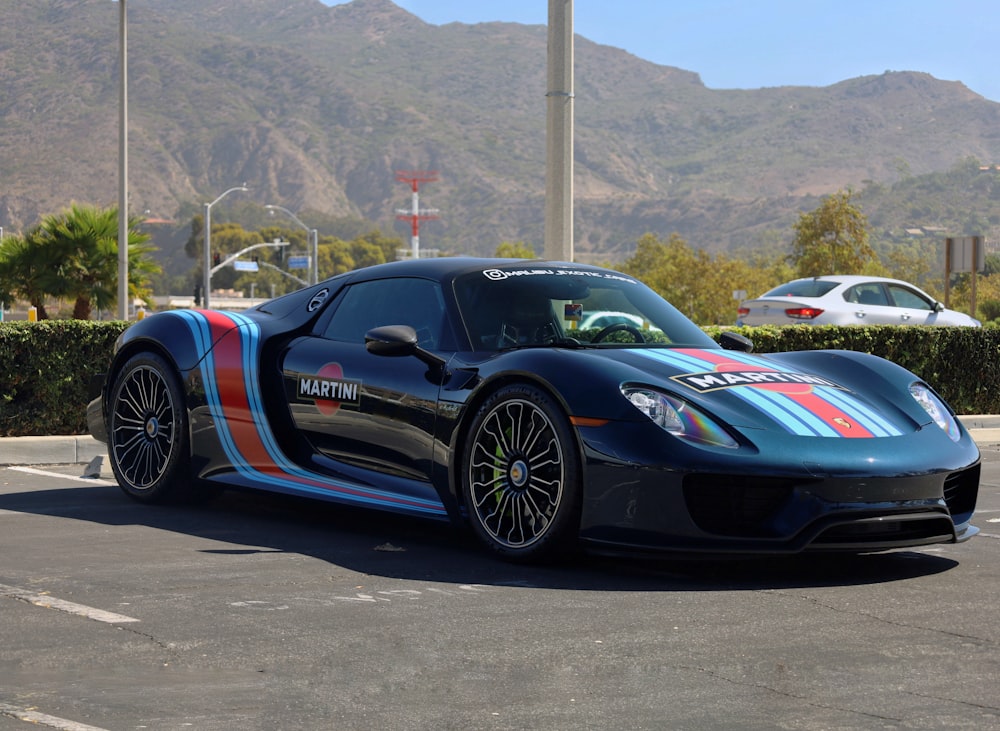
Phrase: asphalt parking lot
(258,612)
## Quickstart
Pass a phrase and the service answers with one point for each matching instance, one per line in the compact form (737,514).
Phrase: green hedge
(45,370)
(45,367)
(961,363)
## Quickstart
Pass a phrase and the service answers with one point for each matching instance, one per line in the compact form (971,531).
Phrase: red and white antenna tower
(415,215)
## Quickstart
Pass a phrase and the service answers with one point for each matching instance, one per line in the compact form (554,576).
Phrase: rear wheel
(148,431)
(521,476)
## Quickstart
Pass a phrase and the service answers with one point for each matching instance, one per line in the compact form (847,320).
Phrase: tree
(375,247)
(74,254)
(515,250)
(334,257)
(23,270)
(81,245)
(697,283)
(833,239)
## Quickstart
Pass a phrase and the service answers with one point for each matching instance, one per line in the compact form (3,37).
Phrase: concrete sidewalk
(80,449)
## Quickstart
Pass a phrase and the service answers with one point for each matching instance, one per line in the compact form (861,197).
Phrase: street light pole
(123,164)
(313,242)
(207,260)
(559,133)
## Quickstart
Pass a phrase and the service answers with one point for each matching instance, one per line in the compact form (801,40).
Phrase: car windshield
(523,306)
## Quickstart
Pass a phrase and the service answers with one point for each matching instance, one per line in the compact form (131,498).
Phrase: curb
(81,449)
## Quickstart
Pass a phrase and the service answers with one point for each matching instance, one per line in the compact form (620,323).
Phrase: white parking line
(51,602)
(24,714)
(46,473)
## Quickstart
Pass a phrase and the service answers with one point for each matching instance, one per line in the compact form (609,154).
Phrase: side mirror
(734,341)
(938,307)
(395,341)
(391,340)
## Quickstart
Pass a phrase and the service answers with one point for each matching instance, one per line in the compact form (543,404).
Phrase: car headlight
(678,417)
(936,409)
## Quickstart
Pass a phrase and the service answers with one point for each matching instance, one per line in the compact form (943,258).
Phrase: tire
(521,476)
(148,431)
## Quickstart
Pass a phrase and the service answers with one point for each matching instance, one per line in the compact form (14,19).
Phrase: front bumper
(882,494)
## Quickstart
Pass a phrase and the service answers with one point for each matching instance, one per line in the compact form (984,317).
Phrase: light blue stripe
(679,360)
(249,333)
(786,412)
(789,412)
(868,417)
(846,402)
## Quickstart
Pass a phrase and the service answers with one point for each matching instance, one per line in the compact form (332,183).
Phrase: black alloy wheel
(148,430)
(521,476)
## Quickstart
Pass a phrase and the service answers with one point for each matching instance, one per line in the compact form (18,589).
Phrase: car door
(363,411)
(870,304)
(912,308)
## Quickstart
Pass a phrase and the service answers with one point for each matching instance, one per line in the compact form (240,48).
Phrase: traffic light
(216,258)
(197,295)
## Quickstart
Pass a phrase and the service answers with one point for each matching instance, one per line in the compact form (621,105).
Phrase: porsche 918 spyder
(467,390)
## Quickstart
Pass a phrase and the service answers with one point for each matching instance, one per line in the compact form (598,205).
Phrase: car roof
(854,279)
(448,267)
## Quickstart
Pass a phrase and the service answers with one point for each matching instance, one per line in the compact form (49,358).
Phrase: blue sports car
(470,390)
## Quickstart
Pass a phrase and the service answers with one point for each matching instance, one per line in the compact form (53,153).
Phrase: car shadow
(402,547)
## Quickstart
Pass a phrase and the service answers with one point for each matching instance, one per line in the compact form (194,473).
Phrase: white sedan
(848,300)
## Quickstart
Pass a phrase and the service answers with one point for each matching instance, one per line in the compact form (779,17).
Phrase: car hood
(759,392)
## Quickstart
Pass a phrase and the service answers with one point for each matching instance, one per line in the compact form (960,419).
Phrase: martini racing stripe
(852,407)
(793,417)
(824,401)
(804,408)
(871,419)
(785,412)
(232,389)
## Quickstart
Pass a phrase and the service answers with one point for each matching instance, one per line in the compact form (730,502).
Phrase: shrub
(46,367)
(45,370)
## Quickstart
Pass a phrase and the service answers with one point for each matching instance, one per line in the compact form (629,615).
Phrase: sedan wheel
(147,430)
(521,476)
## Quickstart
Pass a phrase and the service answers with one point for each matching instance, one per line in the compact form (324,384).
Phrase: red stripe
(231,381)
(829,413)
(800,393)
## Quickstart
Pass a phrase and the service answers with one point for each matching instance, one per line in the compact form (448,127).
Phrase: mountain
(315,107)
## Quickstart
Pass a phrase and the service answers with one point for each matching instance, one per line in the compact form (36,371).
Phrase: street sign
(245,266)
(963,254)
(966,254)
(298,262)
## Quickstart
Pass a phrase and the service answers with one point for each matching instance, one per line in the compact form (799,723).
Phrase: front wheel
(148,431)
(521,476)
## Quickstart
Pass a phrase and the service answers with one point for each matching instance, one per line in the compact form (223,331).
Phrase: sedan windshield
(522,306)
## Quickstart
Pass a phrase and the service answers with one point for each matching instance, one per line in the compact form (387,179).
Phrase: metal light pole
(313,242)
(207,261)
(123,164)
(559,133)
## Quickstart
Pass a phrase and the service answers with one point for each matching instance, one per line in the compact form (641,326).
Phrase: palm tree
(24,271)
(81,248)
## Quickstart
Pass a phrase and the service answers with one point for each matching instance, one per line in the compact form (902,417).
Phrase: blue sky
(750,44)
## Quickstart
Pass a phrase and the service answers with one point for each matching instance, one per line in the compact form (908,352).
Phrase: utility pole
(123,163)
(415,215)
(559,134)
